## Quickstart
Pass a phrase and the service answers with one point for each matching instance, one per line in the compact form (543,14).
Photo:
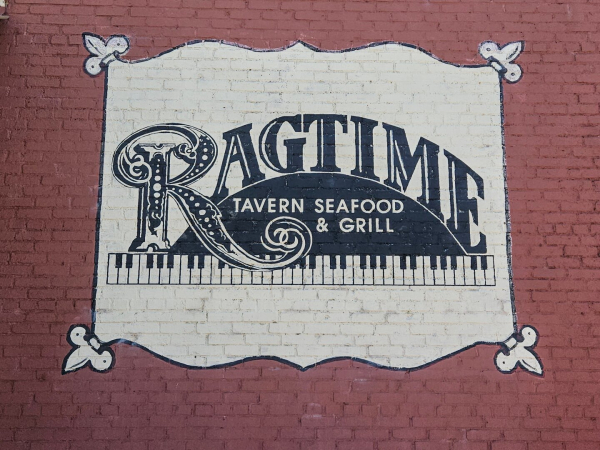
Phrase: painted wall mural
(302,205)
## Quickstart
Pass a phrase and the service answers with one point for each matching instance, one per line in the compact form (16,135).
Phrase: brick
(50,131)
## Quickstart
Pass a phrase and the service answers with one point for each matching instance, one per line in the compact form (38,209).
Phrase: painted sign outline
(103,53)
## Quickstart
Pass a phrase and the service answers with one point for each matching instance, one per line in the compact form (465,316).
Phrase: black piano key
(312,262)
(413,262)
(150,261)
(382,262)
(484,264)
(403,262)
(160,261)
(170,261)
(453,263)
(302,263)
(343,262)
(473,262)
(200,261)
(363,261)
(443,263)
(129,261)
(433,262)
(373,261)
(221,264)
(190,264)
(332,262)
(119,260)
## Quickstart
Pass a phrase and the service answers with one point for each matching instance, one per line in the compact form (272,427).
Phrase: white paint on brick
(217,87)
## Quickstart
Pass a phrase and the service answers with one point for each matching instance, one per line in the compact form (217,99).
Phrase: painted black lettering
(363,141)
(402,164)
(239,149)
(295,147)
(462,206)
(325,139)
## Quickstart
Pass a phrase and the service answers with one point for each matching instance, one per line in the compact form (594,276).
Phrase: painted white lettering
(319,205)
(346,225)
(297,205)
(259,206)
(247,206)
(236,202)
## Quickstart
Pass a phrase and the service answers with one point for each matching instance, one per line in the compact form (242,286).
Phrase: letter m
(402,164)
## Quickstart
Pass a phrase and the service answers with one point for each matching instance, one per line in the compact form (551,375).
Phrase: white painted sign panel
(302,205)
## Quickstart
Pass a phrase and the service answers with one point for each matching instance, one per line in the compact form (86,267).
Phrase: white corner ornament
(103,52)
(518,351)
(87,349)
(501,58)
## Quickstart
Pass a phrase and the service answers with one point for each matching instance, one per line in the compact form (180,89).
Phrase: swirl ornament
(285,235)
(140,162)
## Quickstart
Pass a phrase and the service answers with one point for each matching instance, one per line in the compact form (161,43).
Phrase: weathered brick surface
(50,134)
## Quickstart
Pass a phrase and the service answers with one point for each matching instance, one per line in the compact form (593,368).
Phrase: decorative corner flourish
(87,350)
(518,351)
(103,52)
(501,58)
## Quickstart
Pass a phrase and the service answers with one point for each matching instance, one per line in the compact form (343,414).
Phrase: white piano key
(451,271)
(469,272)
(327,270)
(459,273)
(226,275)
(378,273)
(152,271)
(257,277)
(247,276)
(215,272)
(418,272)
(446,274)
(179,271)
(133,273)
(307,272)
(267,277)
(277,277)
(286,275)
(297,277)
(489,272)
(203,263)
(112,271)
(357,272)
(193,273)
(437,273)
(236,276)
(368,273)
(397,272)
(479,273)
(427,270)
(347,273)
(338,272)
(318,271)
(144,269)
(164,272)
(122,271)
(388,272)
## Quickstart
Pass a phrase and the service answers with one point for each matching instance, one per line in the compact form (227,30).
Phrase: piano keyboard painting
(322,270)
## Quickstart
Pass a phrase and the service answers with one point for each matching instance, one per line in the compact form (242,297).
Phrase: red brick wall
(50,135)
